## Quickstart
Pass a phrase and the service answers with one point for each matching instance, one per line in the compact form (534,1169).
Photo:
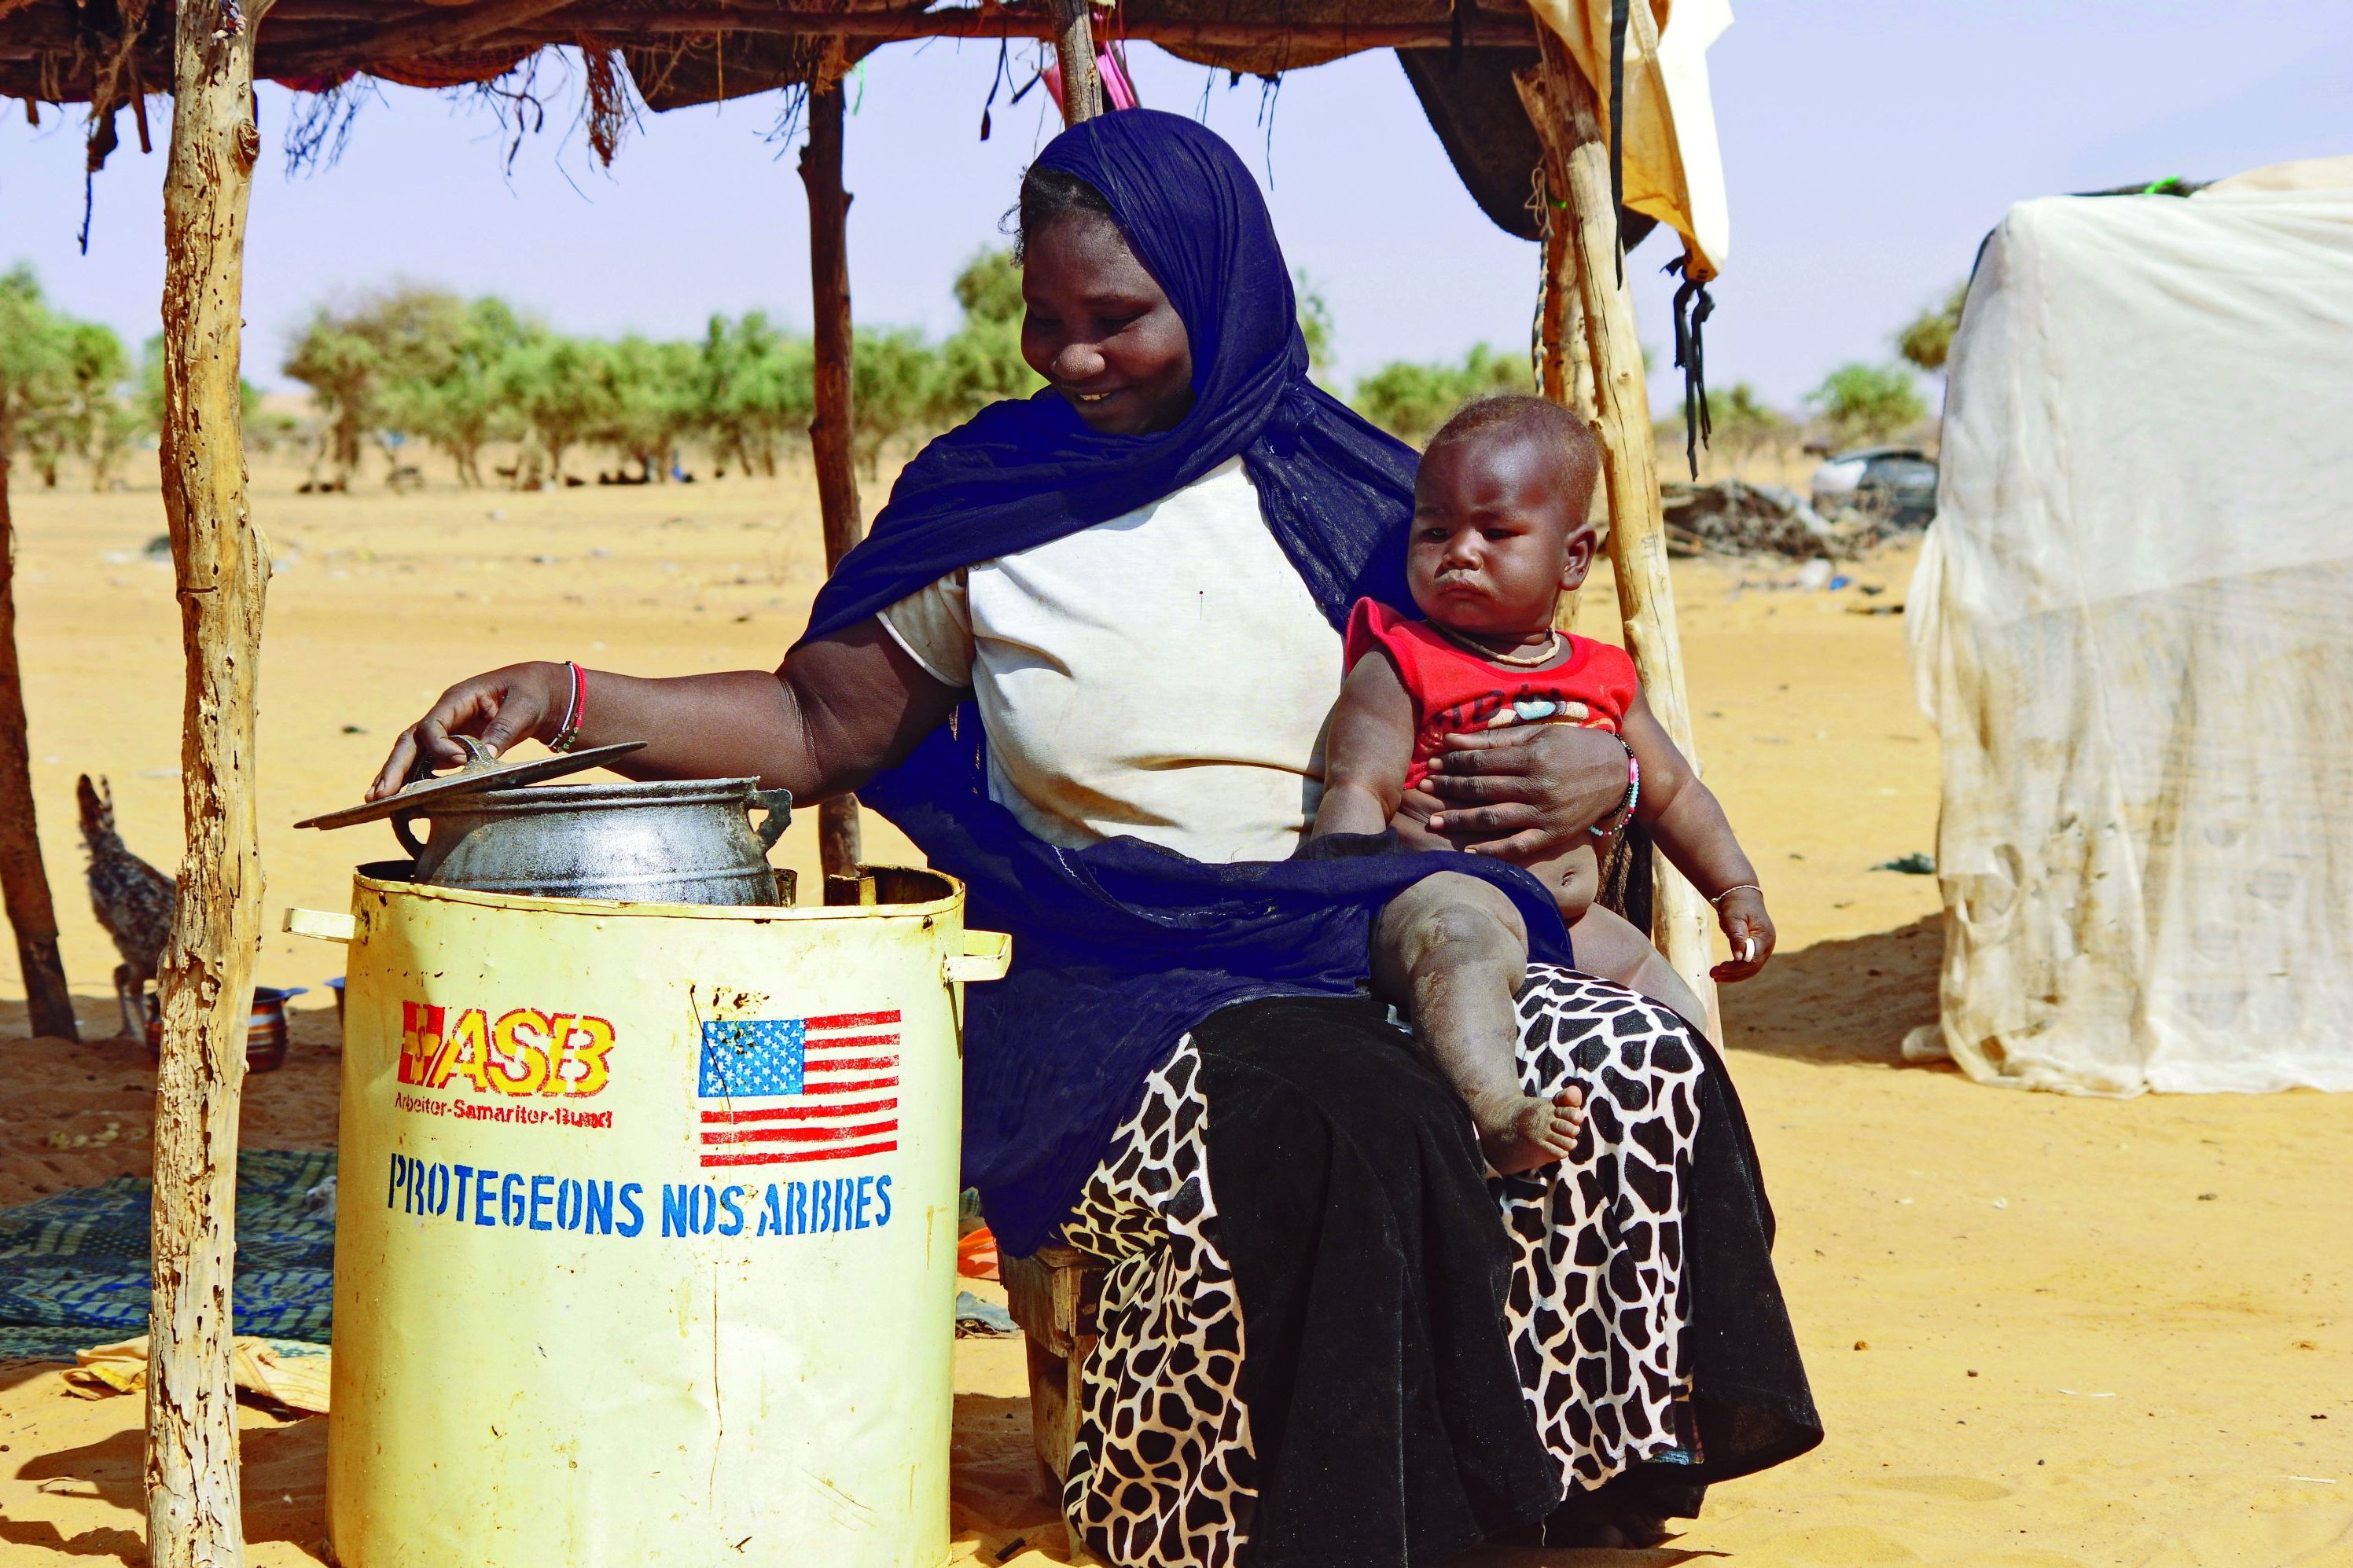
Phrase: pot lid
(481,772)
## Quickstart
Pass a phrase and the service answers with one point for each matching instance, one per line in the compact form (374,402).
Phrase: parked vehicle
(1896,485)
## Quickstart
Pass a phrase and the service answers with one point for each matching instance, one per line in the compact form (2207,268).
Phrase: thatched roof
(110,53)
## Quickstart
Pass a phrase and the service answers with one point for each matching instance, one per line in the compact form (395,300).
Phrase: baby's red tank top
(1455,691)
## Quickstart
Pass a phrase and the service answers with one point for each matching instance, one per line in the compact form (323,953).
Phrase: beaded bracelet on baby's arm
(1625,811)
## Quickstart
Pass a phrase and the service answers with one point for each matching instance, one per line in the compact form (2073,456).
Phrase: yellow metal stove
(646,1237)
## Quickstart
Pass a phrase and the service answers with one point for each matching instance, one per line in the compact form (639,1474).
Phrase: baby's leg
(1607,946)
(1452,950)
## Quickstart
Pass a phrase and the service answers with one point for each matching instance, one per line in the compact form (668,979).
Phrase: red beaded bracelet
(567,735)
(1625,811)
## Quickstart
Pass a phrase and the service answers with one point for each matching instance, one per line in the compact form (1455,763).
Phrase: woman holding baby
(1086,661)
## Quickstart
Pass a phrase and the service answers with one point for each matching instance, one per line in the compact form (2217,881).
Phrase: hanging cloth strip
(997,80)
(1694,305)
(1618,129)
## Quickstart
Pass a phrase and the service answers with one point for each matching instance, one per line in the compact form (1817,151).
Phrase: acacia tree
(79,409)
(895,387)
(32,359)
(654,402)
(356,362)
(1926,340)
(1411,400)
(562,388)
(344,373)
(982,362)
(989,288)
(117,421)
(753,383)
(1743,424)
(1861,402)
(452,395)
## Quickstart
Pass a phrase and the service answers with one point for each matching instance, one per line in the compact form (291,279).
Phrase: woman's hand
(1526,792)
(517,703)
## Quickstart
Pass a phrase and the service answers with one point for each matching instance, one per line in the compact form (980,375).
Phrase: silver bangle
(1736,887)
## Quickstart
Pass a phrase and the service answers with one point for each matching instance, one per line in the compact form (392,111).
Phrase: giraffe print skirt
(1160,1476)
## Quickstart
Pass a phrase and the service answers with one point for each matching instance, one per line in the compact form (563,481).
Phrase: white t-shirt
(1165,674)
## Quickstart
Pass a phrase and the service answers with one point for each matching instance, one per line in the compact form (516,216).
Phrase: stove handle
(322,924)
(986,955)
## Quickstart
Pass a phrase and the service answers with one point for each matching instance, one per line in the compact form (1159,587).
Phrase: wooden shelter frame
(1587,354)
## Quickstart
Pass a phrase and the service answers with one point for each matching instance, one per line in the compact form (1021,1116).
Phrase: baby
(1499,534)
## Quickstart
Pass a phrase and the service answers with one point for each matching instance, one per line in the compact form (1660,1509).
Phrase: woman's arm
(838,710)
(1369,749)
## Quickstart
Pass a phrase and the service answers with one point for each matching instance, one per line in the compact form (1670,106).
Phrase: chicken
(134,902)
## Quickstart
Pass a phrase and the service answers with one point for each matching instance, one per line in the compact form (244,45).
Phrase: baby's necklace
(1510,660)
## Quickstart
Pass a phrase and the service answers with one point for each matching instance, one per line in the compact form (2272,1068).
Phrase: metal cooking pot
(677,841)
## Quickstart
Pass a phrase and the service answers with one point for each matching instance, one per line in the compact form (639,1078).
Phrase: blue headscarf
(1120,948)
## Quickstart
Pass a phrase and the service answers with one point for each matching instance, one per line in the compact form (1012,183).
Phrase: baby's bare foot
(1524,1131)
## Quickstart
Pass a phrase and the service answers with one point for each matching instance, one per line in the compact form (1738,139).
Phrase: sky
(1867,146)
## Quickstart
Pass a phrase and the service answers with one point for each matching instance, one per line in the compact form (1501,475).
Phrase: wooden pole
(24,880)
(320,38)
(1309,36)
(831,429)
(1564,364)
(222,568)
(1074,49)
(1559,316)
(1567,120)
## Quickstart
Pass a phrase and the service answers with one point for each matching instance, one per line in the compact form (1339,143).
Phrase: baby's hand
(1748,928)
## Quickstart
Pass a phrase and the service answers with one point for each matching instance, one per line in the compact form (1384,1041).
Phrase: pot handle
(778,804)
(477,757)
(400,830)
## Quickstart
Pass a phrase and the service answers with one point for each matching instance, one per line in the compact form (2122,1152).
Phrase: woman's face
(1102,331)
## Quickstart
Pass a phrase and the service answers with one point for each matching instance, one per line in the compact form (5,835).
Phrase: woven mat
(73,1266)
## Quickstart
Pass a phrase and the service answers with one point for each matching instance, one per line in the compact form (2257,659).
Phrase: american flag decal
(783,1092)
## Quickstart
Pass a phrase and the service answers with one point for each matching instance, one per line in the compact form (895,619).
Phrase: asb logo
(522,1051)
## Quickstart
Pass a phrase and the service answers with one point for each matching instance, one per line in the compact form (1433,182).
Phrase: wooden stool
(1052,1294)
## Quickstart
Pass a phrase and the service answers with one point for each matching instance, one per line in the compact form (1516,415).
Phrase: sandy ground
(2042,1330)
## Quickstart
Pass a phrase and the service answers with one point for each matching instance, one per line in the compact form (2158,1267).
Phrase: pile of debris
(1730,518)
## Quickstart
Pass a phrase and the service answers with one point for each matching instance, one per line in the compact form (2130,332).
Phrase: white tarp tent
(2133,625)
